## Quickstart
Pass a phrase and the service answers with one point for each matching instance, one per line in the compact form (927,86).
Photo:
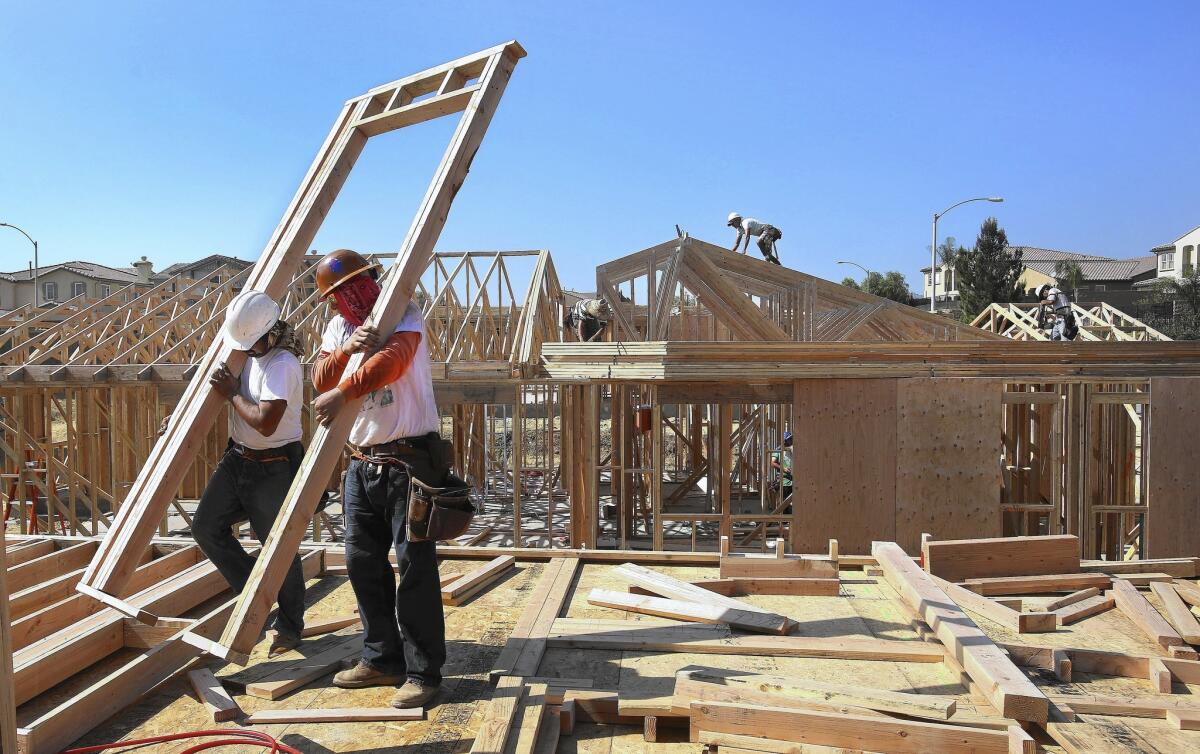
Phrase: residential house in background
(203,268)
(1175,259)
(68,280)
(1103,278)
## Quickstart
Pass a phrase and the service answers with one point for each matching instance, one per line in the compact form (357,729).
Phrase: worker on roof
(767,235)
(264,452)
(588,318)
(781,463)
(394,435)
(1051,299)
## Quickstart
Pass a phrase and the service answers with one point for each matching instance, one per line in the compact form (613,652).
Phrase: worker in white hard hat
(264,452)
(767,235)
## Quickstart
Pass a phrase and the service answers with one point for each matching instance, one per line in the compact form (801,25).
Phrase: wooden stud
(1178,613)
(746,620)
(213,695)
(1135,607)
(471,584)
(337,715)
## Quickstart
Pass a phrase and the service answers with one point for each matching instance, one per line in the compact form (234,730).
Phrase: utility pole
(933,270)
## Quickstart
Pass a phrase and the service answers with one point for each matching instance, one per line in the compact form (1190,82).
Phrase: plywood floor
(478,630)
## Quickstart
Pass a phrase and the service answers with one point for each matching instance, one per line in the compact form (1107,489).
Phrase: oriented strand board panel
(844,464)
(1173,474)
(948,459)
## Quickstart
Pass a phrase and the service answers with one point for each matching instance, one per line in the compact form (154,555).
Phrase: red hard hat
(337,267)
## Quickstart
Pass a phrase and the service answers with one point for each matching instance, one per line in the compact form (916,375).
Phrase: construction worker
(767,235)
(394,435)
(781,462)
(588,318)
(263,455)
(1051,299)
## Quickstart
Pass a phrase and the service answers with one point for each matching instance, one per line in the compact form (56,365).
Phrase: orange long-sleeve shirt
(381,368)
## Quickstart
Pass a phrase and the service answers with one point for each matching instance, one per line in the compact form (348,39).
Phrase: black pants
(404,630)
(766,243)
(239,490)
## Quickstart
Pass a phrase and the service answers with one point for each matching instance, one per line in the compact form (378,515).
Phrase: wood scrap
(213,695)
(1142,579)
(1071,599)
(1084,609)
(740,587)
(746,620)
(1188,592)
(471,584)
(296,673)
(330,625)
(962,559)
(673,588)
(333,715)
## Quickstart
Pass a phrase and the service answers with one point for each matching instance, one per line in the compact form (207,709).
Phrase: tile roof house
(68,280)
(1104,278)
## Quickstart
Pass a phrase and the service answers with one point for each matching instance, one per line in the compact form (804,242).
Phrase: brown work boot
(281,643)
(414,694)
(363,675)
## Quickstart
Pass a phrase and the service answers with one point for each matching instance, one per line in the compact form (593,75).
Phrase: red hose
(229,737)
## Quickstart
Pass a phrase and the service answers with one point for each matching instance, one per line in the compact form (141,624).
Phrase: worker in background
(781,462)
(394,435)
(767,236)
(263,455)
(588,318)
(1051,299)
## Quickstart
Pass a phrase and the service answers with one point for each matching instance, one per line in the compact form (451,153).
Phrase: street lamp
(933,248)
(859,266)
(35,260)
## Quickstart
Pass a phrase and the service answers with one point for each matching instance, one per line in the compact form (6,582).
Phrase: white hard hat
(249,316)
(734,216)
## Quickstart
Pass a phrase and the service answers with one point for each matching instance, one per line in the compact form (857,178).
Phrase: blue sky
(175,130)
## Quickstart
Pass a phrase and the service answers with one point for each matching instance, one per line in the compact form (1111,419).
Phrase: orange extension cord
(228,737)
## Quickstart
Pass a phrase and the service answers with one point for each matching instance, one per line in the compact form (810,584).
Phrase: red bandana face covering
(355,297)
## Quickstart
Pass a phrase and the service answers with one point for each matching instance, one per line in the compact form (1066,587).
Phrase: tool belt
(438,513)
(439,503)
(263,455)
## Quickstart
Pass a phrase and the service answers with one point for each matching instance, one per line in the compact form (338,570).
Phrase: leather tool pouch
(438,513)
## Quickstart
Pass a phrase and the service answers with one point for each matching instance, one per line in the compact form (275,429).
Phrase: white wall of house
(1175,263)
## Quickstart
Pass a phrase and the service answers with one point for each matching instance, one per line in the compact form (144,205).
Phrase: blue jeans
(239,490)
(404,630)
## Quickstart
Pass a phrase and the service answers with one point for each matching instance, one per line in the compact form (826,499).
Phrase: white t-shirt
(276,376)
(405,408)
(752,227)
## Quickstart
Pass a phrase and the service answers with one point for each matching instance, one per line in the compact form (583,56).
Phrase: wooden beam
(1184,719)
(770,566)
(1014,620)
(962,559)
(1056,582)
(53,565)
(740,587)
(498,716)
(330,625)
(8,702)
(849,731)
(470,584)
(1177,612)
(667,586)
(335,715)
(779,691)
(1135,607)
(1071,599)
(297,673)
(746,620)
(1084,609)
(522,653)
(654,636)
(1007,688)
(213,695)
(1126,706)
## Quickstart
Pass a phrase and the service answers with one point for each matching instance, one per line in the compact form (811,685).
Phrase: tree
(890,285)
(850,282)
(1069,274)
(1185,288)
(990,273)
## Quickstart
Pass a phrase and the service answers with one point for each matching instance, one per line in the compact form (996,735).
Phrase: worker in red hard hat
(264,453)
(395,436)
